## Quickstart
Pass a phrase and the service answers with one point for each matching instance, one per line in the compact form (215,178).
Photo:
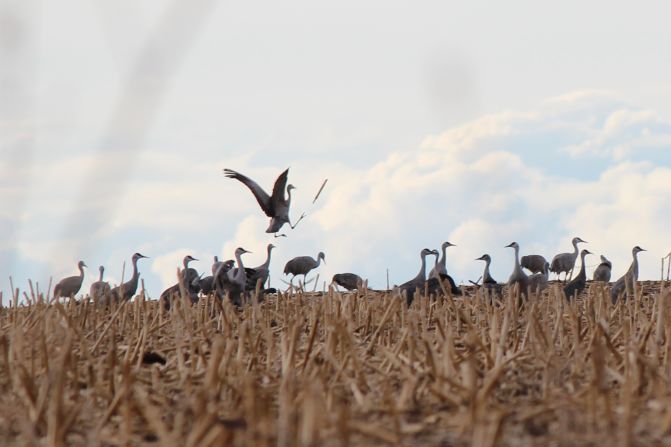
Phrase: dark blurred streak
(17,141)
(451,82)
(131,119)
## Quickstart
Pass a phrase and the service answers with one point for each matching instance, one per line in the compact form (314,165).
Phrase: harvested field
(340,369)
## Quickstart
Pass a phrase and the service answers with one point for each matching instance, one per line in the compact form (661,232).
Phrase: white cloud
(165,267)
(500,178)
(625,132)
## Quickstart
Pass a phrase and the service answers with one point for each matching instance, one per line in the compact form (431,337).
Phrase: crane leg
(297,222)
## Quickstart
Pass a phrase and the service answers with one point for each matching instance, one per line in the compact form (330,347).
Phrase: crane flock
(241,285)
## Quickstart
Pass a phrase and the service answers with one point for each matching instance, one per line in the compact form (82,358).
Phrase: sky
(476,123)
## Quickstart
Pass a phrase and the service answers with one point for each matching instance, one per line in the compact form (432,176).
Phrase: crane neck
(288,195)
(238,259)
(267,263)
(101,274)
(319,260)
(443,259)
(517,259)
(634,266)
(486,275)
(422,270)
(136,274)
(582,273)
(575,248)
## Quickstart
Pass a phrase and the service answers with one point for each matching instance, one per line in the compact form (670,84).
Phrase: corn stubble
(337,369)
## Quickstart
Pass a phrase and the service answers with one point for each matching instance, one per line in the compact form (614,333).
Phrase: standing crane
(126,291)
(518,276)
(564,262)
(260,273)
(207,283)
(302,265)
(188,279)
(441,264)
(539,281)
(100,289)
(533,263)
(488,282)
(348,281)
(578,283)
(603,271)
(68,287)
(416,283)
(626,283)
(234,281)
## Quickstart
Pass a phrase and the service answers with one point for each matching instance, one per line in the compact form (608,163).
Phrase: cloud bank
(585,164)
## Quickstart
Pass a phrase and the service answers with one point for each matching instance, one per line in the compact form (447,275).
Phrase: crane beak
(509,245)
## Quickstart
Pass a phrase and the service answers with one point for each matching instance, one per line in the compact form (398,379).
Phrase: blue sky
(480,124)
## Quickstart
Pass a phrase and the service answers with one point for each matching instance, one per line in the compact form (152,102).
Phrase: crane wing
(260,195)
(280,186)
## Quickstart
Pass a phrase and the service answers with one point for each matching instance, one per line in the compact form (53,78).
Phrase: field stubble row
(340,369)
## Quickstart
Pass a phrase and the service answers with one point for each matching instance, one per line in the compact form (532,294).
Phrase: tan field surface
(315,369)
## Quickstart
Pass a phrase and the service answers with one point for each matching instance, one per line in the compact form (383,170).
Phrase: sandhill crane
(577,284)
(220,274)
(188,279)
(539,281)
(625,284)
(175,291)
(488,282)
(302,265)
(126,291)
(486,276)
(441,265)
(100,289)
(232,281)
(275,206)
(238,275)
(216,264)
(434,286)
(207,283)
(533,263)
(518,276)
(349,281)
(417,283)
(603,271)
(68,287)
(260,273)
(564,262)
